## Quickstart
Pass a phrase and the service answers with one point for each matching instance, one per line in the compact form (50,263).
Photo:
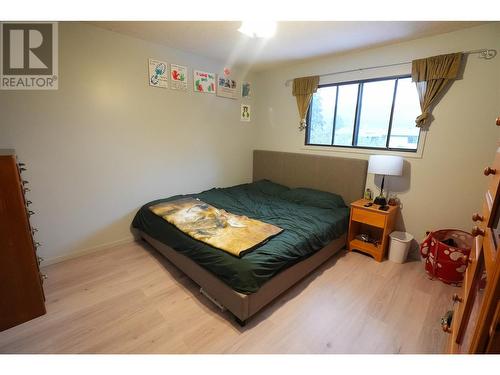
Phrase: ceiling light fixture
(258,29)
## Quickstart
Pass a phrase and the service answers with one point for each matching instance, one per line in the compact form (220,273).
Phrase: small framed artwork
(204,82)
(245,114)
(246,90)
(178,77)
(158,73)
(226,87)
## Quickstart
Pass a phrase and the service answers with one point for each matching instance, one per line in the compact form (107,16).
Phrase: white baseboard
(79,253)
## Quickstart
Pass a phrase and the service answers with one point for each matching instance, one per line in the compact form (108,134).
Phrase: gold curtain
(432,75)
(303,90)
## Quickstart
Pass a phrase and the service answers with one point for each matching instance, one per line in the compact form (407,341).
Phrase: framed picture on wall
(245,114)
(158,73)
(226,87)
(178,77)
(204,82)
(246,90)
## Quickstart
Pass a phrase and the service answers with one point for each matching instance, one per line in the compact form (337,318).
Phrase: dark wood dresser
(475,322)
(21,291)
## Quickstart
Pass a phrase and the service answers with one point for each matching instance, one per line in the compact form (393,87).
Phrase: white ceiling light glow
(258,29)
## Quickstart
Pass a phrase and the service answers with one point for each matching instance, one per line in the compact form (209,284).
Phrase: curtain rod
(484,53)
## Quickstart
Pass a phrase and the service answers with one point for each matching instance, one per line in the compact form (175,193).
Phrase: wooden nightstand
(377,223)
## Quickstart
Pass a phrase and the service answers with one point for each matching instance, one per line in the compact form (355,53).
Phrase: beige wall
(443,187)
(105,142)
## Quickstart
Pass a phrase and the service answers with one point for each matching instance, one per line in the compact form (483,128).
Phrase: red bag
(444,262)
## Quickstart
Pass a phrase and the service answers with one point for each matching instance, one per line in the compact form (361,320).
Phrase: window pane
(322,109)
(375,113)
(404,133)
(346,112)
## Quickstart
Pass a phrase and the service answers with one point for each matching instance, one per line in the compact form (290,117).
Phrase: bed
(314,223)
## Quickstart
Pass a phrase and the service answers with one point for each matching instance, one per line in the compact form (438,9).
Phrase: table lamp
(385,165)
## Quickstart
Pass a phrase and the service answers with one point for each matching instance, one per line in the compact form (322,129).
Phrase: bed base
(213,300)
(243,306)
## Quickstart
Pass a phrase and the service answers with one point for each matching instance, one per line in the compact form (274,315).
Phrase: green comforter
(306,229)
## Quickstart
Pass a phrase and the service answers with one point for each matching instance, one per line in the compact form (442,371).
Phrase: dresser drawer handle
(476,231)
(24,182)
(26,190)
(39,260)
(456,298)
(489,170)
(477,217)
(37,244)
(34,230)
(30,213)
(28,202)
(44,276)
(22,169)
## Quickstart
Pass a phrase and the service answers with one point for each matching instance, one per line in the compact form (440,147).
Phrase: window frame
(355,132)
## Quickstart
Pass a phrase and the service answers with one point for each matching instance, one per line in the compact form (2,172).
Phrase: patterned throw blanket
(232,233)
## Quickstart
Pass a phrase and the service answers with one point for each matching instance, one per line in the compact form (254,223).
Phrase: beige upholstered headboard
(342,176)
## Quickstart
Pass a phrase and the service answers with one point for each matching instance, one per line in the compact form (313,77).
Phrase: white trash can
(400,245)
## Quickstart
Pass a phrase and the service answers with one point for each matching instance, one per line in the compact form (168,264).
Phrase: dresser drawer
(21,289)
(368,217)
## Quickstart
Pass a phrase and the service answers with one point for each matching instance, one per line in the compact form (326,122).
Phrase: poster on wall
(178,77)
(204,82)
(245,113)
(226,87)
(158,73)
(246,90)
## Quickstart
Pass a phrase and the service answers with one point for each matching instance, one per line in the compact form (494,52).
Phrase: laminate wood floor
(129,299)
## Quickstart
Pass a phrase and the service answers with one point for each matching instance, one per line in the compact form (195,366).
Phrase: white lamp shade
(387,165)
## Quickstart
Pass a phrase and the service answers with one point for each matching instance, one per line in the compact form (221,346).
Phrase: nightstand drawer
(367,217)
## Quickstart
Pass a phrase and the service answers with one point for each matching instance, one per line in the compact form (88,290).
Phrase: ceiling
(294,41)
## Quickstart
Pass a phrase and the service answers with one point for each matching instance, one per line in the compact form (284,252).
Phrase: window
(376,114)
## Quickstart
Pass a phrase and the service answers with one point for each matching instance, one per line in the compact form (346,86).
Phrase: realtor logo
(29,56)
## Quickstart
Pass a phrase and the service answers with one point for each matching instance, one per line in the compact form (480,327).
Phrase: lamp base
(380,200)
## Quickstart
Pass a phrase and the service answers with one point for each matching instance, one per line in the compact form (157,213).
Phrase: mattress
(307,227)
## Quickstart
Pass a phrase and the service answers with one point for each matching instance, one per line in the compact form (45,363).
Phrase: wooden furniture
(373,221)
(475,321)
(21,292)
(344,176)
